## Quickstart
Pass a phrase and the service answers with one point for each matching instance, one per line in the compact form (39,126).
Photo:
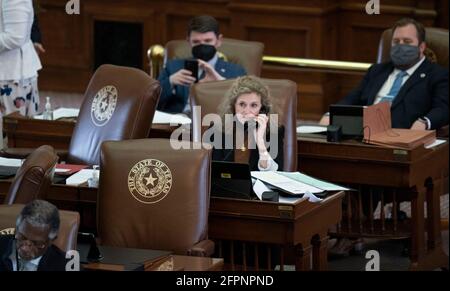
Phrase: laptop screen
(231,180)
(349,117)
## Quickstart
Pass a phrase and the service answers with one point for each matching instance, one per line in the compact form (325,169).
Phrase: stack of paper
(82,177)
(10,162)
(296,183)
(61,113)
(167,118)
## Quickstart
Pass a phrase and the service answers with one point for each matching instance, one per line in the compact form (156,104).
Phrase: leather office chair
(284,95)
(437,44)
(248,54)
(119,104)
(152,196)
(34,177)
(68,229)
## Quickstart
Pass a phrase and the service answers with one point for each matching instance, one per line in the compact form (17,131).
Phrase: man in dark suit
(204,38)
(416,88)
(31,248)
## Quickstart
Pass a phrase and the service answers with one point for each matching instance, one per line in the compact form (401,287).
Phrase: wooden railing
(156,60)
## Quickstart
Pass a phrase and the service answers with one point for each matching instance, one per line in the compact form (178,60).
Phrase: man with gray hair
(31,247)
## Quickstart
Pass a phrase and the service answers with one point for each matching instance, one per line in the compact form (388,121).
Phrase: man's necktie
(395,87)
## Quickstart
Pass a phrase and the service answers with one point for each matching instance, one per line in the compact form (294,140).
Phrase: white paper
(259,188)
(10,162)
(61,170)
(81,177)
(311,129)
(284,183)
(61,113)
(167,118)
(326,186)
(436,143)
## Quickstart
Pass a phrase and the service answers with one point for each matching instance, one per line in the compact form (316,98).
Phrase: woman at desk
(248,120)
(18,58)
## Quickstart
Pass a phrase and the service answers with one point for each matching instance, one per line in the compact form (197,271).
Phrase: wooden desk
(417,174)
(25,132)
(302,226)
(172,263)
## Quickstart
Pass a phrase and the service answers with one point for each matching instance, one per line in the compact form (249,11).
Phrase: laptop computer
(350,118)
(231,180)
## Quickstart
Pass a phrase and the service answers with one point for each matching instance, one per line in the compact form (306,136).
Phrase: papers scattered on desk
(326,186)
(167,118)
(259,188)
(61,113)
(81,177)
(295,182)
(10,162)
(284,183)
(435,143)
(311,129)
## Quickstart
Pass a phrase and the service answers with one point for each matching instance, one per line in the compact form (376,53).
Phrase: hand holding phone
(192,66)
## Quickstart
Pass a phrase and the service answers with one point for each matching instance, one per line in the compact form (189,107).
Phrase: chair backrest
(284,97)
(248,54)
(437,45)
(68,228)
(152,196)
(119,104)
(34,177)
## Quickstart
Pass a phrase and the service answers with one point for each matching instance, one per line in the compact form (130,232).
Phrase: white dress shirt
(390,80)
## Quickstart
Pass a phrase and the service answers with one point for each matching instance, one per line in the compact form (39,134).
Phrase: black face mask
(204,52)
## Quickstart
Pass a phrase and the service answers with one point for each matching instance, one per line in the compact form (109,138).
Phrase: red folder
(72,169)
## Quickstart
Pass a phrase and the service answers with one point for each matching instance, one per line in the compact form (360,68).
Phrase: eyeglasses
(38,244)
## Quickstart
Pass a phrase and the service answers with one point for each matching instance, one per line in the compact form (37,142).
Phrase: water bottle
(48,112)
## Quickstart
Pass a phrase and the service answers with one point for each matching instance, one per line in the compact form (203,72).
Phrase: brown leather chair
(68,229)
(171,214)
(129,117)
(437,44)
(248,54)
(34,177)
(284,95)
(137,97)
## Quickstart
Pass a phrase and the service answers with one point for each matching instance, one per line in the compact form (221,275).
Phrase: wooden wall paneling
(360,31)
(143,15)
(66,40)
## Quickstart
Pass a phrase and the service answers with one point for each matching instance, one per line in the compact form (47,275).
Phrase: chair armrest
(204,248)
(16,153)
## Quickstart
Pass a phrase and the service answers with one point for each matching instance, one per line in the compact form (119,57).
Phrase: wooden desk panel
(416,174)
(172,263)
(25,132)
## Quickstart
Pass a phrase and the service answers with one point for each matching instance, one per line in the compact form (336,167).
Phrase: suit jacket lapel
(220,67)
(378,83)
(418,76)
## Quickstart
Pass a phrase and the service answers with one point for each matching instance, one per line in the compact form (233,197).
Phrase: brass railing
(156,59)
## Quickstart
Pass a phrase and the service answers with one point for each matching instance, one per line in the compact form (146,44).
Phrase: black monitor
(349,118)
(231,180)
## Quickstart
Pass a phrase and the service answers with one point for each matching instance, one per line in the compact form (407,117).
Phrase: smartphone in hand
(192,65)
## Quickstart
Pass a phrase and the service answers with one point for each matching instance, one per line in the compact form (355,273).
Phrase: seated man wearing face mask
(204,38)
(416,88)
